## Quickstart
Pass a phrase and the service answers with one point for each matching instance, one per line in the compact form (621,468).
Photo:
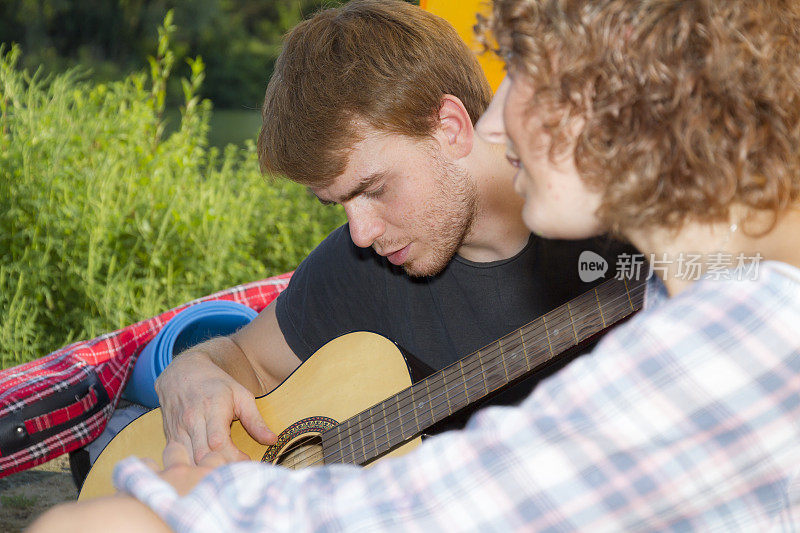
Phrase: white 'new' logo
(591,266)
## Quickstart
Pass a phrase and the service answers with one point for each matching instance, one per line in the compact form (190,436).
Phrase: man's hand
(199,401)
(180,469)
(120,513)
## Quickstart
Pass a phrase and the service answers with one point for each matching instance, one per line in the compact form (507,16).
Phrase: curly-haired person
(675,124)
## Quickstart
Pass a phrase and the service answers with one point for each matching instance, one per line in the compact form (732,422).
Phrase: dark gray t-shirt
(340,288)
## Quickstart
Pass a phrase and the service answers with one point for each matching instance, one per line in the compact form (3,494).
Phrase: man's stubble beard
(452,211)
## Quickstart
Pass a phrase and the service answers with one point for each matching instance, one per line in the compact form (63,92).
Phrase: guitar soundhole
(300,445)
(303,452)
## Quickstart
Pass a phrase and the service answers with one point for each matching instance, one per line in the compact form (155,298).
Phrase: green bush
(105,221)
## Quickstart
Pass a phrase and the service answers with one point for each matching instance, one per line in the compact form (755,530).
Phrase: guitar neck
(408,413)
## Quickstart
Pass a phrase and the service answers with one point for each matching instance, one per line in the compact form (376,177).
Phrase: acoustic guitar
(355,400)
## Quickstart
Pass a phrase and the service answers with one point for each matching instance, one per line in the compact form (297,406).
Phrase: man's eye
(375,193)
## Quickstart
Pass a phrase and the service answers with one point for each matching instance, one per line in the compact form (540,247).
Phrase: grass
(18,501)
(105,220)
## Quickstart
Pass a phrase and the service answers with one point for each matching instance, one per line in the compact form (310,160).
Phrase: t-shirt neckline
(499,262)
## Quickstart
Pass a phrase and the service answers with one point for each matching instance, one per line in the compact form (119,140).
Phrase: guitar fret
(347,449)
(493,377)
(350,455)
(473,380)
(457,385)
(502,359)
(572,323)
(400,416)
(470,391)
(628,294)
(387,426)
(447,394)
(414,410)
(383,426)
(613,308)
(559,333)
(524,349)
(464,391)
(538,353)
(362,440)
(332,435)
(408,401)
(436,411)
(361,447)
(374,441)
(483,374)
(591,320)
(464,381)
(357,440)
(599,307)
(547,334)
(406,409)
(424,406)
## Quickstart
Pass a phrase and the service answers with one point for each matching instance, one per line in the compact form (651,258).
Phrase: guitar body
(354,400)
(346,376)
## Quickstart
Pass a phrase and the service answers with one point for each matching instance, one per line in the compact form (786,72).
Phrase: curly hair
(689,107)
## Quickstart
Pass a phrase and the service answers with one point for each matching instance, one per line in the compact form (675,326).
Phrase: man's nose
(490,126)
(365,225)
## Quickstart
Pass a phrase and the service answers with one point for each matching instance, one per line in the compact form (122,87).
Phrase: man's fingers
(213,460)
(198,436)
(219,441)
(149,463)
(176,454)
(247,412)
(179,437)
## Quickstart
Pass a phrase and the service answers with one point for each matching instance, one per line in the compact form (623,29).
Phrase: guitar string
(495,357)
(533,327)
(359,425)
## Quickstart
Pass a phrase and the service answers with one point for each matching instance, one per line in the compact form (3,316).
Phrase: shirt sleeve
(533,467)
(331,293)
(470,480)
(658,429)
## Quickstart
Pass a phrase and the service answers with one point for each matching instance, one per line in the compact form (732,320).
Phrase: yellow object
(342,379)
(462,15)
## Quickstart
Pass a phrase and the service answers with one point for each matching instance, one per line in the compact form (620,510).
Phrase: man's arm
(208,386)
(121,514)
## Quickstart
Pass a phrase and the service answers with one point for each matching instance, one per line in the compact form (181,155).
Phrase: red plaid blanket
(63,401)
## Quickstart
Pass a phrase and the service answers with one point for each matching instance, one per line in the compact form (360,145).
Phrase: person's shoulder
(338,261)
(722,311)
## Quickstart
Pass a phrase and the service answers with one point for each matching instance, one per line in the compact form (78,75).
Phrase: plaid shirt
(685,418)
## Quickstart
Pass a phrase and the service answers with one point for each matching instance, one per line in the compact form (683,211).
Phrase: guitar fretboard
(408,413)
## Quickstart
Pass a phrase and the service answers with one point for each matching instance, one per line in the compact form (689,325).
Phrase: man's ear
(455,132)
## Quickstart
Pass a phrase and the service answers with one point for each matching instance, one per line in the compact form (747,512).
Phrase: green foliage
(18,501)
(239,39)
(105,221)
